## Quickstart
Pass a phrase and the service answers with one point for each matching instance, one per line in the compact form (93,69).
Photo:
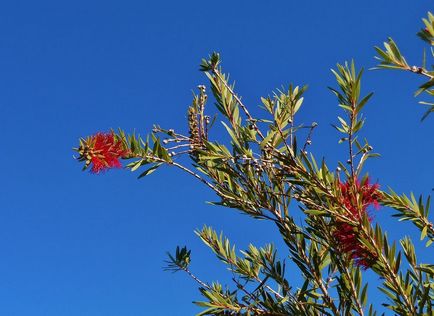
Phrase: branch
(243,107)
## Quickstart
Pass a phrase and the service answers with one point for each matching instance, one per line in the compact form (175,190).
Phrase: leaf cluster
(390,57)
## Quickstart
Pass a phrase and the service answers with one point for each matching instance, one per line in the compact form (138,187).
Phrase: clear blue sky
(76,244)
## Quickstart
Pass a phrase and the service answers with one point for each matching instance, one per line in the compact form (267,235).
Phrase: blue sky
(76,244)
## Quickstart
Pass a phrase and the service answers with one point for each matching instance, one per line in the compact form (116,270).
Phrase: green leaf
(423,233)
(149,170)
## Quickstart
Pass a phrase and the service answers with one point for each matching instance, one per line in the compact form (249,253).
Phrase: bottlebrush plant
(268,173)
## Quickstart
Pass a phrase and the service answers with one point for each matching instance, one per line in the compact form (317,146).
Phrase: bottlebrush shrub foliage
(267,172)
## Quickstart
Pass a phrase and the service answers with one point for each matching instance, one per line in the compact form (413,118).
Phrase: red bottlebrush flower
(356,197)
(103,151)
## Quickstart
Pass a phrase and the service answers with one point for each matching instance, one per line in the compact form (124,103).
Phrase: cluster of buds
(102,151)
(268,150)
(198,123)
(356,197)
(193,127)
(257,164)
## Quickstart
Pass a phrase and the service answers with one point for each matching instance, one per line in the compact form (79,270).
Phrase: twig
(203,284)
(309,136)
(243,107)
(420,71)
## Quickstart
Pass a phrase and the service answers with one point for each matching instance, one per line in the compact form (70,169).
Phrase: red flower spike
(103,151)
(356,200)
